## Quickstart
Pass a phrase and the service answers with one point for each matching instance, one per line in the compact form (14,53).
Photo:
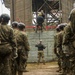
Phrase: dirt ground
(47,69)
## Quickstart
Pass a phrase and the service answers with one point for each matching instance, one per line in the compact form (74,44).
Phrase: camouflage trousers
(72,65)
(41,56)
(66,64)
(60,63)
(5,66)
(13,65)
(18,66)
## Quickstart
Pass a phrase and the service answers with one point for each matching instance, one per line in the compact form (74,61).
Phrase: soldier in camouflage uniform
(69,40)
(7,45)
(40,47)
(23,49)
(13,62)
(15,26)
(55,47)
(59,44)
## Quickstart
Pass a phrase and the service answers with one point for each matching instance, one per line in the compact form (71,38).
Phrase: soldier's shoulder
(24,33)
(16,31)
(20,33)
(6,27)
(61,33)
(68,26)
(9,27)
(58,33)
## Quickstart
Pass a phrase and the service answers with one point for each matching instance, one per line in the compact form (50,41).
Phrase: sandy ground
(47,69)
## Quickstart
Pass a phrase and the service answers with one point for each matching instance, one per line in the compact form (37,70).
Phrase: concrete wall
(48,41)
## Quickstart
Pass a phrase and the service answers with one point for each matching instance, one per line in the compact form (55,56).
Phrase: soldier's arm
(13,43)
(26,43)
(59,40)
(55,45)
(67,35)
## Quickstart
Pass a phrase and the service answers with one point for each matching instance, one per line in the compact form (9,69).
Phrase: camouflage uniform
(7,42)
(55,41)
(59,38)
(55,44)
(23,49)
(59,48)
(7,45)
(69,40)
(40,52)
(58,44)
(14,62)
(62,56)
(64,59)
(68,43)
(56,50)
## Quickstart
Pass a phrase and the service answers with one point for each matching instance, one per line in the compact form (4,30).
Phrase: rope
(39,34)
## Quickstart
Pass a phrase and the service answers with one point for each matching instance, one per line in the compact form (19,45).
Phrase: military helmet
(21,26)
(62,25)
(57,28)
(15,24)
(72,15)
(5,17)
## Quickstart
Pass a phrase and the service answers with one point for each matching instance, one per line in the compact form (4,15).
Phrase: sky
(3,9)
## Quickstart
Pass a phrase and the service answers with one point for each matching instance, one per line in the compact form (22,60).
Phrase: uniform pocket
(5,49)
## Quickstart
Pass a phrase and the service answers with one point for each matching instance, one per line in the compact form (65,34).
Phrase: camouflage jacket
(55,43)
(7,37)
(58,43)
(69,40)
(68,34)
(60,39)
(22,40)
